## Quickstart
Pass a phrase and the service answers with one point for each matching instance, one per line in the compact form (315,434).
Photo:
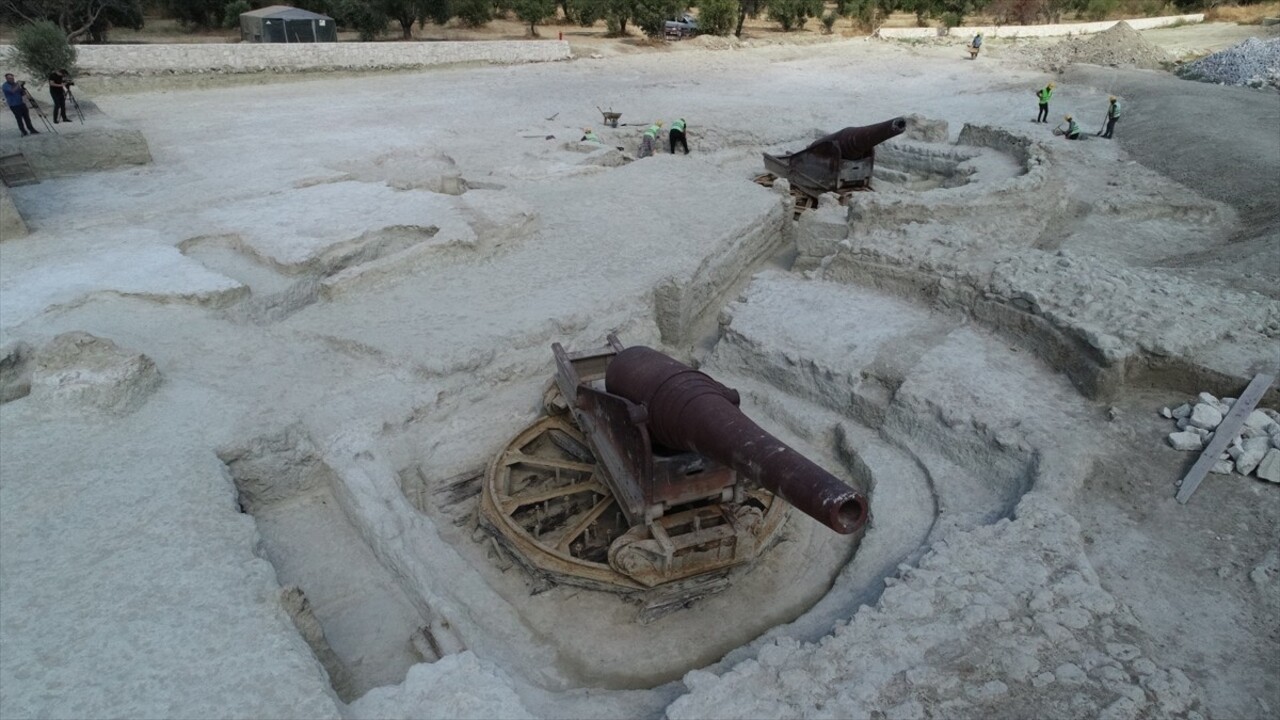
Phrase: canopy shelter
(285,24)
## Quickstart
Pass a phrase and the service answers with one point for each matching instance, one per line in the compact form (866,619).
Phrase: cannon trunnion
(644,474)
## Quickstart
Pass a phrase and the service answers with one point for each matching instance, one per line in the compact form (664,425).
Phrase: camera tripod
(39,113)
(75,104)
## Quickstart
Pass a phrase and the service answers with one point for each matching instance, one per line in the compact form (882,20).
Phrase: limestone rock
(1205,416)
(1185,441)
(77,369)
(1257,420)
(926,129)
(15,371)
(1249,454)
(1269,468)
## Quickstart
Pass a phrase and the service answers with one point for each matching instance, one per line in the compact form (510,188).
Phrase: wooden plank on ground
(1223,434)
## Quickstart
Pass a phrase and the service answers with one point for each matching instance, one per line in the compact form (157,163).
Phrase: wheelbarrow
(610,117)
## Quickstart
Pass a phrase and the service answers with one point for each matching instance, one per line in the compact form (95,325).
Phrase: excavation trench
(385,565)
(377,550)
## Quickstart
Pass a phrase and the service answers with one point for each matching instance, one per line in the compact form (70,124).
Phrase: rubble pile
(1119,46)
(1254,451)
(1253,63)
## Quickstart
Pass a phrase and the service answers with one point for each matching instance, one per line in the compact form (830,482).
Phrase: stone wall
(230,58)
(1009,31)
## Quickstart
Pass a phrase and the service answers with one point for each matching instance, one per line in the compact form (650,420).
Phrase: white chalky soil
(349,289)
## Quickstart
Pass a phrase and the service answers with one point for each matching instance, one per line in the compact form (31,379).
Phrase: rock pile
(1119,46)
(1252,63)
(1256,450)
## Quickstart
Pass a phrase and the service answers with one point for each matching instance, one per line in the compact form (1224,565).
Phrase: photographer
(58,85)
(14,94)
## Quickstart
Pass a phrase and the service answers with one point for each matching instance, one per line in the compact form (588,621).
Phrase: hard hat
(1067,117)
(586,130)
(1113,98)
(659,123)
(1052,85)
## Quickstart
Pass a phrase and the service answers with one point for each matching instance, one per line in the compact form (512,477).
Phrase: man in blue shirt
(13,95)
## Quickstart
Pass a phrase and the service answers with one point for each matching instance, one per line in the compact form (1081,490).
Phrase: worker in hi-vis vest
(1043,95)
(1113,114)
(677,136)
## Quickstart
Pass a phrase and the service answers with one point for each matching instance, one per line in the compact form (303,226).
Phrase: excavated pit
(356,527)
(353,534)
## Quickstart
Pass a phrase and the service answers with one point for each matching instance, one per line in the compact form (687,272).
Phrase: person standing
(975,46)
(1113,114)
(14,92)
(1043,96)
(677,136)
(58,82)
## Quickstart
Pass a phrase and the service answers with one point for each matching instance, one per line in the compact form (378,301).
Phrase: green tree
(793,14)
(437,11)
(715,17)
(405,12)
(751,9)
(41,48)
(77,19)
(474,13)
(651,15)
(231,12)
(366,18)
(200,14)
(533,12)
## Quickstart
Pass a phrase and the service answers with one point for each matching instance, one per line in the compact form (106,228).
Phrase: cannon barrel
(687,410)
(856,143)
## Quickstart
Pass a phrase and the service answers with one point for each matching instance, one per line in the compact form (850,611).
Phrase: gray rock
(1166,412)
(1257,420)
(1207,398)
(1182,411)
(1222,467)
(1183,423)
(1249,454)
(15,371)
(1185,441)
(1269,468)
(1206,416)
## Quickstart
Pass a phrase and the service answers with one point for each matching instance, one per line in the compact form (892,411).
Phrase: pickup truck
(685,26)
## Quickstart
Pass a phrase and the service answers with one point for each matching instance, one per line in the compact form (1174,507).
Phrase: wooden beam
(1224,433)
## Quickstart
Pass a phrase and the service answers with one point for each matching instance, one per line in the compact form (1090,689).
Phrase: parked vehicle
(684,26)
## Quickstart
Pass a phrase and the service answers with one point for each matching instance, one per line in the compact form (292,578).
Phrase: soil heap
(1118,46)
(1254,62)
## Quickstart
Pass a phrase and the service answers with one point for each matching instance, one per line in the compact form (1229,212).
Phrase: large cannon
(840,161)
(687,410)
(645,473)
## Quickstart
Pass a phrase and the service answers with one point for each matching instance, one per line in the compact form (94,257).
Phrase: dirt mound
(1118,46)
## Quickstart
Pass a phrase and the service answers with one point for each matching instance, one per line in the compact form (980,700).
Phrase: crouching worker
(678,136)
(1072,131)
(589,136)
(649,140)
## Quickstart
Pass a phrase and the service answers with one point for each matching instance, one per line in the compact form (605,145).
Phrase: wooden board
(1224,433)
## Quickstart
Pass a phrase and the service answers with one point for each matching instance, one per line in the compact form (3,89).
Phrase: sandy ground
(327,299)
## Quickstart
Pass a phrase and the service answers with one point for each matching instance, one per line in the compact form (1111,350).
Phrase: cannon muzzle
(687,410)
